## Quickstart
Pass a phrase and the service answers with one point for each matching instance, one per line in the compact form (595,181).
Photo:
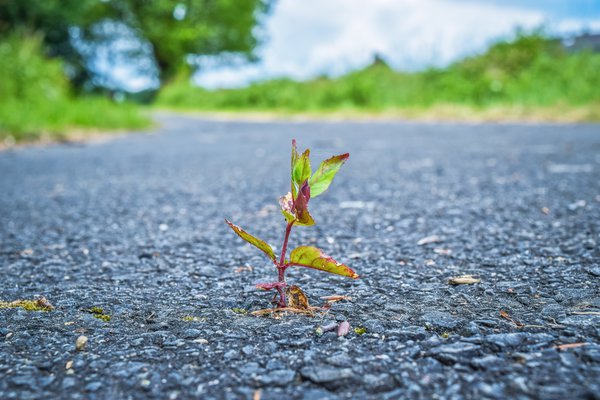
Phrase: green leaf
(301,171)
(295,157)
(323,176)
(287,209)
(253,240)
(311,257)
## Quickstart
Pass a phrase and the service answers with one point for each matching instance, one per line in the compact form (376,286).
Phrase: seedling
(294,207)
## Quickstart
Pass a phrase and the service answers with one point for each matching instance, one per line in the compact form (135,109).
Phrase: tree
(53,19)
(174,29)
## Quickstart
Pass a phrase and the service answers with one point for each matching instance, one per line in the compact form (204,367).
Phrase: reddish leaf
(289,212)
(311,257)
(343,328)
(301,205)
(260,244)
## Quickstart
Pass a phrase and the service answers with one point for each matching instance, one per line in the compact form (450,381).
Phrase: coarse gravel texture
(135,227)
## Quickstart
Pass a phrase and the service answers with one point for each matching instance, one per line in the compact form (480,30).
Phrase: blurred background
(79,65)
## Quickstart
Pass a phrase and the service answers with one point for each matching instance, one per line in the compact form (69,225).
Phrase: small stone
(250,368)
(340,360)
(595,270)
(379,383)
(555,311)
(273,364)
(503,340)
(191,333)
(68,383)
(230,355)
(93,386)
(452,353)
(440,319)
(81,343)
(145,383)
(282,377)
(487,362)
(373,326)
(327,376)
(248,350)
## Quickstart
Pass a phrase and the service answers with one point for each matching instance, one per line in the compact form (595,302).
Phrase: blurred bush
(35,97)
(530,70)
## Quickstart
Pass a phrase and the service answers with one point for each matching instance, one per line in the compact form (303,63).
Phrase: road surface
(134,226)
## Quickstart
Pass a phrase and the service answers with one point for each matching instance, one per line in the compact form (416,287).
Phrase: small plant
(98,313)
(294,207)
(40,304)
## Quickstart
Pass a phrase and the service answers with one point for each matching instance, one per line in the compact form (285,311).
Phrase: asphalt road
(134,226)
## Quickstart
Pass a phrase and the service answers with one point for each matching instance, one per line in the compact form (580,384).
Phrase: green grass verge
(36,101)
(529,78)
(23,121)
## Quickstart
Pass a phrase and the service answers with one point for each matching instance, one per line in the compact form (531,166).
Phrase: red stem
(282,266)
(288,229)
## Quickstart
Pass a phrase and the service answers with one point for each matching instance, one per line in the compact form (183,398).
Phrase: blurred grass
(36,101)
(528,78)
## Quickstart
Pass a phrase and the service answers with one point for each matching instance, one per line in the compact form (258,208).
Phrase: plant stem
(288,229)
(281,266)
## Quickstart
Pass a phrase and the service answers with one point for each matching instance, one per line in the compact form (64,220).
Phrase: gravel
(135,226)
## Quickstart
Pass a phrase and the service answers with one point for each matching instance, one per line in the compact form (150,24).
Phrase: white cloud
(312,37)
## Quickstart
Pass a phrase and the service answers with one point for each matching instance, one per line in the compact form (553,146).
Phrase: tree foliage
(173,29)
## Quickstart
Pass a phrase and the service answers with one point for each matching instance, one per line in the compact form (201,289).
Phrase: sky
(307,38)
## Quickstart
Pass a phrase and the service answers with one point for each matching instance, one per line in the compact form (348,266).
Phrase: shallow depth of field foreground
(126,240)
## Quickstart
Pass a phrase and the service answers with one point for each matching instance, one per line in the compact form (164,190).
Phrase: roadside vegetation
(528,78)
(38,103)
(51,86)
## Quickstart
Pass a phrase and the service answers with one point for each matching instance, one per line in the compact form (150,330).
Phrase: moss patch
(191,318)
(40,304)
(98,312)
(359,330)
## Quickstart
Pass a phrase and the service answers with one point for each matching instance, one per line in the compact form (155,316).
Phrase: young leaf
(295,157)
(302,199)
(311,257)
(287,207)
(323,176)
(301,171)
(253,240)
(290,213)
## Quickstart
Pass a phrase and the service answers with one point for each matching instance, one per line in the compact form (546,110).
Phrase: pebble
(440,319)
(331,377)
(504,340)
(93,386)
(282,377)
(191,333)
(81,343)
